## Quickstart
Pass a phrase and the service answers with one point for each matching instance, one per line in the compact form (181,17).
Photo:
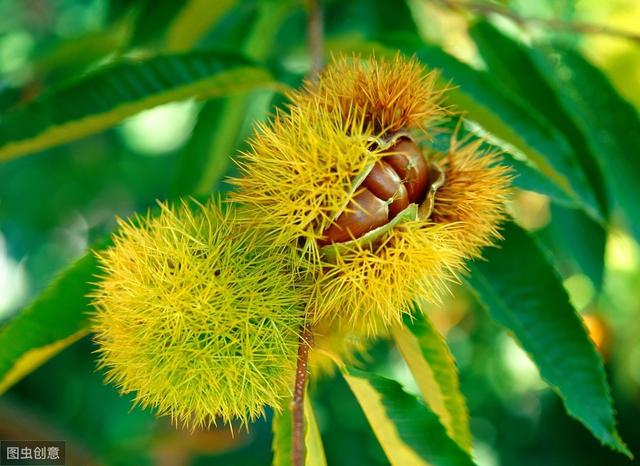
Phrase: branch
(297,403)
(315,36)
(488,9)
(316,50)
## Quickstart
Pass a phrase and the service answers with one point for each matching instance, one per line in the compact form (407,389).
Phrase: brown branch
(316,51)
(297,402)
(315,37)
(488,9)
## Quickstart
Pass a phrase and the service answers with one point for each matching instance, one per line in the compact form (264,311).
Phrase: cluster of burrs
(340,220)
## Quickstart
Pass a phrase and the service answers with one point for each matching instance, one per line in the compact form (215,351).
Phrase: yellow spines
(199,311)
(390,94)
(198,317)
(369,289)
(302,170)
(299,172)
(473,195)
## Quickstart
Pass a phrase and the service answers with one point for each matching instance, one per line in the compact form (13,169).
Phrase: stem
(297,403)
(315,36)
(316,51)
(487,9)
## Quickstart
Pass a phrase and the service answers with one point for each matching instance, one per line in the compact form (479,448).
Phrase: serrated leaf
(507,118)
(523,292)
(107,96)
(609,123)
(577,242)
(282,426)
(512,63)
(56,319)
(410,433)
(526,175)
(434,370)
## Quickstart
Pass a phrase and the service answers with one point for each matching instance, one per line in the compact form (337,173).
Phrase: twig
(488,9)
(316,51)
(297,402)
(316,38)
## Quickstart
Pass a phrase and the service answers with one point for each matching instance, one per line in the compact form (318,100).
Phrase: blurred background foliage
(54,204)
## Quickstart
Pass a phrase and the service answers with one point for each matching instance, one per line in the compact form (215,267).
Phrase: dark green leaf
(408,431)
(511,63)
(609,123)
(107,96)
(224,123)
(576,241)
(523,292)
(56,319)
(152,21)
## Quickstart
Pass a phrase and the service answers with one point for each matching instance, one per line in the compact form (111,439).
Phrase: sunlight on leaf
(434,370)
(107,96)
(409,433)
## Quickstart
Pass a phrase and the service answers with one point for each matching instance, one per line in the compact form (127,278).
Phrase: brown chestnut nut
(407,160)
(364,213)
(385,183)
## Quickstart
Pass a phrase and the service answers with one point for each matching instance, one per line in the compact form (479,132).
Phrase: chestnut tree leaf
(193,21)
(512,63)
(110,94)
(282,426)
(409,432)
(523,292)
(54,320)
(224,123)
(434,370)
(610,124)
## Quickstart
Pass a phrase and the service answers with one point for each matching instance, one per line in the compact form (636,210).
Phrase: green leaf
(434,370)
(523,292)
(282,426)
(512,63)
(610,124)
(313,442)
(409,432)
(224,123)
(56,319)
(152,19)
(72,56)
(507,118)
(104,98)
(527,176)
(577,242)
(195,18)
